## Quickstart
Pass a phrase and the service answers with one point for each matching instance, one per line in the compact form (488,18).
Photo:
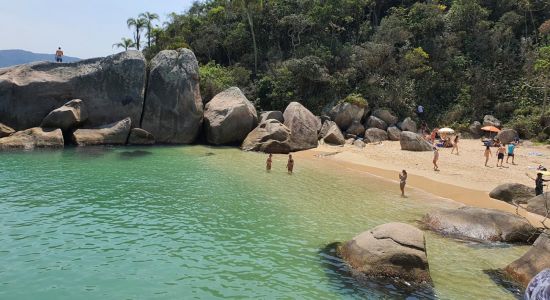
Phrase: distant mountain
(17,57)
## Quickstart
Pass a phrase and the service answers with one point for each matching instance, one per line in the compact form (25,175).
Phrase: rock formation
(489,120)
(408,125)
(270,137)
(507,136)
(68,116)
(532,262)
(386,116)
(373,135)
(359,144)
(475,129)
(140,136)
(111,134)
(33,138)
(356,128)
(540,204)
(411,141)
(513,193)
(5,130)
(334,136)
(394,134)
(303,127)
(344,114)
(274,114)
(374,122)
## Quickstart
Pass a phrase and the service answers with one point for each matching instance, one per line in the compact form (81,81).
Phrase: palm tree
(149,18)
(138,25)
(125,43)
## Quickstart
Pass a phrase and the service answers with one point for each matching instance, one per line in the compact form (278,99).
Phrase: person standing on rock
(402,182)
(268,162)
(59,55)
(436,158)
(487,154)
(290,164)
(539,183)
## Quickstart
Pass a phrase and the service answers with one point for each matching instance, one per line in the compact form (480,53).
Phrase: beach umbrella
(545,173)
(446,130)
(490,129)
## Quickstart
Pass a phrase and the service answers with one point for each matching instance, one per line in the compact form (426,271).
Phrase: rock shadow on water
(92,152)
(134,154)
(500,278)
(356,283)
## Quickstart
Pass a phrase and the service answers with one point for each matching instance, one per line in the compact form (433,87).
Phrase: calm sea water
(198,222)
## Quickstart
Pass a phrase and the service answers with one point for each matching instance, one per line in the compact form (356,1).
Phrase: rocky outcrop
(274,114)
(475,129)
(334,136)
(393,250)
(532,262)
(111,134)
(112,88)
(68,116)
(344,114)
(411,141)
(513,193)
(374,135)
(33,138)
(229,117)
(271,136)
(507,136)
(489,120)
(5,130)
(374,122)
(408,125)
(394,134)
(540,204)
(140,136)
(481,224)
(303,127)
(356,129)
(173,111)
(386,116)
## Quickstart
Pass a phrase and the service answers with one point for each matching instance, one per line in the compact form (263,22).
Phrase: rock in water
(356,129)
(140,136)
(5,130)
(411,141)
(173,111)
(274,114)
(394,134)
(67,116)
(344,114)
(33,138)
(386,116)
(111,134)
(270,137)
(513,193)
(507,136)
(374,135)
(112,88)
(229,117)
(303,127)
(334,136)
(481,224)
(540,204)
(408,125)
(394,250)
(374,122)
(532,262)
(489,120)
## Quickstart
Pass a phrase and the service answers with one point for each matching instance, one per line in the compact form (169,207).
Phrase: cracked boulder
(303,125)
(392,250)
(271,136)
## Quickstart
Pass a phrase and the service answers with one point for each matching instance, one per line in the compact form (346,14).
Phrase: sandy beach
(462,178)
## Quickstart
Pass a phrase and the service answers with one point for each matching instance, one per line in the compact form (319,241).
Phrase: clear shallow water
(197,222)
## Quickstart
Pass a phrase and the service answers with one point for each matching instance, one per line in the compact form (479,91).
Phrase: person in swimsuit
(511,148)
(487,154)
(290,164)
(455,145)
(500,155)
(402,182)
(268,162)
(436,158)
(59,55)
(539,183)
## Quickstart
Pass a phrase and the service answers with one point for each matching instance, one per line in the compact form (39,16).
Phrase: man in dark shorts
(539,183)
(500,155)
(59,55)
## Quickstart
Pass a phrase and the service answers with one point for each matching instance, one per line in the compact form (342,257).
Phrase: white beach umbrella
(446,130)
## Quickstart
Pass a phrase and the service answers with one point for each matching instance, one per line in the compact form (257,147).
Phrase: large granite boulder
(481,224)
(111,134)
(303,127)
(513,193)
(393,250)
(35,137)
(507,136)
(411,141)
(5,130)
(334,136)
(229,117)
(532,262)
(475,129)
(274,114)
(394,134)
(140,136)
(408,125)
(356,128)
(112,88)
(345,113)
(489,120)
(386,116)
(374,122)
(327,124)
(374,135)
(271,136)
(173,111)
(68,116)
(540,204)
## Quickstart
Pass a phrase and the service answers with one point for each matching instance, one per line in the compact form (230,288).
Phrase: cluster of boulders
(506,135)
(519,194)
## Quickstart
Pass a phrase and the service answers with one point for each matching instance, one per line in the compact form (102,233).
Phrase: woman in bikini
(402,182)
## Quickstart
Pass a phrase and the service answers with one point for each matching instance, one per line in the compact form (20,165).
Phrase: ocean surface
(208,223)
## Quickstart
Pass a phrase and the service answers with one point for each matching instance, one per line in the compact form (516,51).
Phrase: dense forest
(460,59)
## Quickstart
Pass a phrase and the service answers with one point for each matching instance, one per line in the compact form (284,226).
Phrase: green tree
(125,43)
(138,25)
(542,69)
(149,18)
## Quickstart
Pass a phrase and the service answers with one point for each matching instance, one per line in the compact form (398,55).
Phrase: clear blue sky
(83,28)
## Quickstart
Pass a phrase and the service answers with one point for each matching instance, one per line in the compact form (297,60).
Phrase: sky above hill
(83,28)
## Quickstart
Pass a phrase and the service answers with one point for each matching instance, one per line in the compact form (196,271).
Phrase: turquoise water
(198,222)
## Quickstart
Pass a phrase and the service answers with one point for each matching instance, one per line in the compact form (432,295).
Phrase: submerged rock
(33,138)
(270,137)
(140,136)
(68,116)
(5,130)
(513,193)
(173,111)
(411,141)
(303,127)
(111,134)
(532,262)
(481,224)
(374,135)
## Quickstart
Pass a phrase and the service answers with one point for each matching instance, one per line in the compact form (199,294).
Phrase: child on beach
(290,164)
(268,162)
(402,182)
(436,158)
(500,154)
(487,154)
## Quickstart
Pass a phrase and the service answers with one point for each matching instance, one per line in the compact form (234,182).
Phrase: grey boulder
(229,117)
(507,136)
(140,136)
(540,204)
(173,111)
(394,134)
(334,136)
(33,138)
(68,116)
(274,114)
(475,129)
(5,130)
(359,144)
(271,136)
(303,127)
(327,124)
(536,259)
(386,116)
(489,120)
(513,193)
(356,129)
(408,125)
(411,141)
(374,135)
(345,113)
(111,134)
(375,122)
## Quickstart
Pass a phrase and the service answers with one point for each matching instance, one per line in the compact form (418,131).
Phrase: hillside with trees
(460,59)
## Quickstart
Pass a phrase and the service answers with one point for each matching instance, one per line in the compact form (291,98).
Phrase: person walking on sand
(59,55)
(290,164)
(455,145)
(402,182)
(487,154)
(436,158)
(511,148)
(539,183)
(268,162)
(500,154)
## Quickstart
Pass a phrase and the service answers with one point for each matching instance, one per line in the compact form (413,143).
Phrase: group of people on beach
(289,164)
(501,151)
